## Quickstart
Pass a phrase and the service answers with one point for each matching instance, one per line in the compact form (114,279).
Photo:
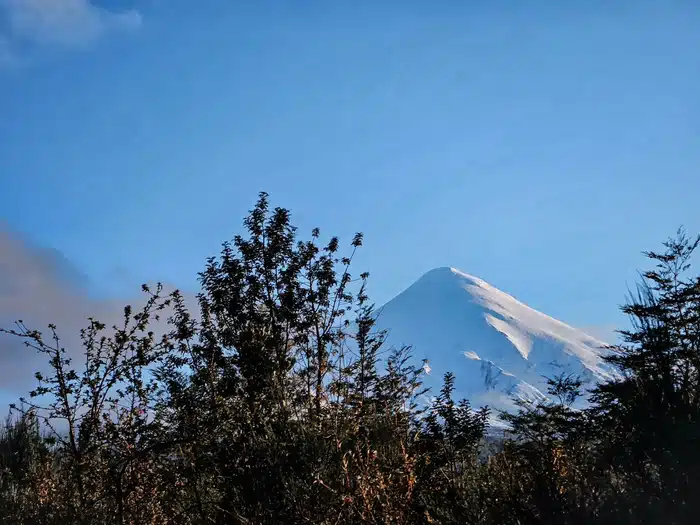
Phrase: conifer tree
(649,419)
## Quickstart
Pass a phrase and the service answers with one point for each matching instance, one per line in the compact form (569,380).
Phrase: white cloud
(61,22)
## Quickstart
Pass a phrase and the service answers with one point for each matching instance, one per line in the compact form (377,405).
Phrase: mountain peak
(497,346)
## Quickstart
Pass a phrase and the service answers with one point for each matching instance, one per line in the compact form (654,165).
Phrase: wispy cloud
(39,286)
(63,23)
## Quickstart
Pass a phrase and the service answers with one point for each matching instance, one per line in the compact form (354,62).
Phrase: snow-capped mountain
(497,347)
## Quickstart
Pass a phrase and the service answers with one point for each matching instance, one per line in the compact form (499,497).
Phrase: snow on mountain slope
(497,347)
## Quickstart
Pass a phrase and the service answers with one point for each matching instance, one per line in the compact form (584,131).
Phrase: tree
(448,460)
(98,419)
(650,418)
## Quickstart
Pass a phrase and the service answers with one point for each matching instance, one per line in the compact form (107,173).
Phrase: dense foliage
(277,402)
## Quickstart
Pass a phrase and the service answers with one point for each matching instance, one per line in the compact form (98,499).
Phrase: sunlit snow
(499,348)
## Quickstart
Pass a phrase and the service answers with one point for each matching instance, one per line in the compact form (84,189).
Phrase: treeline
(279,403)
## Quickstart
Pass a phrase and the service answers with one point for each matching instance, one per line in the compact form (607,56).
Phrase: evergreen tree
(448,465)
(650,418)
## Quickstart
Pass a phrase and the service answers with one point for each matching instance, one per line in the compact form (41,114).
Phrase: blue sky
(539,145)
